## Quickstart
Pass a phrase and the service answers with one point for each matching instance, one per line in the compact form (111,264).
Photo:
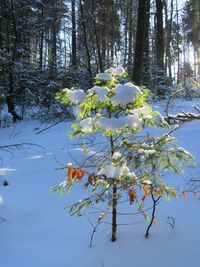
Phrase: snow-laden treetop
(111,106)
(130,161)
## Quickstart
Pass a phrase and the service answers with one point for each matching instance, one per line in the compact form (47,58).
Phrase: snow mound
(104,76)
(101,93)
(117,124)
(125,94)
(116,71)
(116,156)
(144,111)
(114,172)
(87,125)
(76,111)
(146,152)
(77,96)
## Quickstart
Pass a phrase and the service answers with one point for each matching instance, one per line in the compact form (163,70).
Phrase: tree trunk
(114,212)
(41,40)
(140,41)
(159,35)
(168,22)
(146,59)
(97,39)
(85,41)
(130,33)
(53,51)
(74,60)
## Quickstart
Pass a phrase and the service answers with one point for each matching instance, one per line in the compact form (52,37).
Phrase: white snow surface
(125,94)
(39,232)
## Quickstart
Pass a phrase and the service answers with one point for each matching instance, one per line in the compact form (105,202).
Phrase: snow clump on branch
(101,93)
(125,94)
(75,97)
(104,76)
(114,172)
(119,71)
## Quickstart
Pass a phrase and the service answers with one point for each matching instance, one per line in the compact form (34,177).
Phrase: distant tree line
(46,45)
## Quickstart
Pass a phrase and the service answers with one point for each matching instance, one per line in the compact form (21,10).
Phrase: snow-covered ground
(38,232)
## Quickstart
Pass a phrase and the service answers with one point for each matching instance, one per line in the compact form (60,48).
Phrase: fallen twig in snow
(182,117)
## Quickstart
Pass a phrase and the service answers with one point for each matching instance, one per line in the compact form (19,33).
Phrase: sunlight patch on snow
(5,171)
(34,157)
(89,151)
(1,200)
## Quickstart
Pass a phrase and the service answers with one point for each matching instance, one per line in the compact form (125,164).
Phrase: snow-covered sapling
(128,160)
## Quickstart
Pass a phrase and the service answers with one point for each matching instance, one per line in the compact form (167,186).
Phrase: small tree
(125,162)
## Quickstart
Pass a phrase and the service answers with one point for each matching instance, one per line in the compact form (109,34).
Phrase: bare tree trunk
(146,63)
(130,33)
(85,41)
(178,40)
(53,51)
(97,39)
(125,35)
(140,41)
(168,22)
(114,213)
(74,60)
(159,35)
(10,98)
(41,40)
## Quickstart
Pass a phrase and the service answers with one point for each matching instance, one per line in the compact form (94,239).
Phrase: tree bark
(85,41)
(159,35)
(140,41)
(74,60)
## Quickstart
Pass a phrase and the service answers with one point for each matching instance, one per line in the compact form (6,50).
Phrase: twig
(155,201)
(101,216)
(170,99)
(171,221)
(52,125)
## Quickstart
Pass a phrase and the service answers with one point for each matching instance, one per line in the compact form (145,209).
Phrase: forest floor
(38,232)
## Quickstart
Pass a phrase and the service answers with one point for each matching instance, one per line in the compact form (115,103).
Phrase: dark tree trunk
(85,41)
(97,39)
(41,40)
(146,59)
(53,51)
(168,63)
(140,41)
(159,35)
(13,54)
(130,33)
(74,60)
(114,213)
